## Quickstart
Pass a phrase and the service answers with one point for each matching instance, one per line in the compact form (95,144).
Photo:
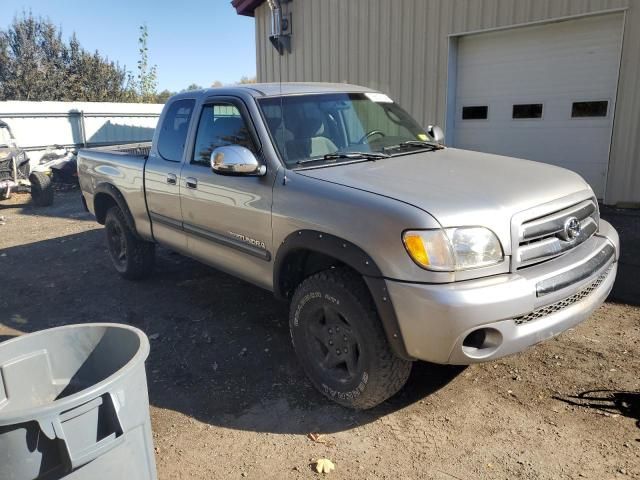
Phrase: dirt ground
(228,399)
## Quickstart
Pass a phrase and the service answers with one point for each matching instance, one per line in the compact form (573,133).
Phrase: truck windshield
(5,137)
(326,128)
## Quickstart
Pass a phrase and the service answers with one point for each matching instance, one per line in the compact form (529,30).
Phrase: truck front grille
(564,303)
(544,238)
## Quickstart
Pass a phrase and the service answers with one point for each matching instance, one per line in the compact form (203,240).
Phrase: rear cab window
(174,129)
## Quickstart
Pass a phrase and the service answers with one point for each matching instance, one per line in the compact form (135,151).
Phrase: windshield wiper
(415,143)
(346,155)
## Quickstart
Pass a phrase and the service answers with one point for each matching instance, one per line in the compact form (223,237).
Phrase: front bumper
(484,319)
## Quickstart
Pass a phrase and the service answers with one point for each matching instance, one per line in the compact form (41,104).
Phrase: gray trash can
(74,405)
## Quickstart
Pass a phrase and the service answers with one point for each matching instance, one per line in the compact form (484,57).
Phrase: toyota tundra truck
(389,246)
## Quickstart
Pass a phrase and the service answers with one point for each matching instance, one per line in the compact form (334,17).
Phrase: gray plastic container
(74,405)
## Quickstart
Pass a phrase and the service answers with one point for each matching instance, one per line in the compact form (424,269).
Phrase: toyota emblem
(571,228)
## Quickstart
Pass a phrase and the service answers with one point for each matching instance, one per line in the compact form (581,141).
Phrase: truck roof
(278,89)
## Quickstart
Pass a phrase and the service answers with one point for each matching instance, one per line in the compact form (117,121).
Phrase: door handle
(172,179)
(191,182)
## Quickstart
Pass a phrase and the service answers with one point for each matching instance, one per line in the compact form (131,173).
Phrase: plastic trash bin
(74,405)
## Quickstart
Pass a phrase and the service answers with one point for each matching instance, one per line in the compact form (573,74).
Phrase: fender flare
(113,192)
(356,258)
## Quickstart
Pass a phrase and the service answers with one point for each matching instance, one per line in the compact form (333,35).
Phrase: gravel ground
(228,399)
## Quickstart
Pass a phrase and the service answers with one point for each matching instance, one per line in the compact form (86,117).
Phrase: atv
(57,164)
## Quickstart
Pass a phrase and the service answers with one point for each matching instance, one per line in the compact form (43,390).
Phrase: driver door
(227,219)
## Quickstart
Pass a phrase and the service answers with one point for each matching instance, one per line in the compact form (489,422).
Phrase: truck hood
(460,187)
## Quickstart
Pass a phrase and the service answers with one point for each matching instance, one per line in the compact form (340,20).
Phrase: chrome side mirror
(236,160)
(436,133)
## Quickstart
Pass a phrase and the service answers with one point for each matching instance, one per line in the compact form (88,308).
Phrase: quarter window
(476,112)
(527,110)
(220,125)
(173,133)
(589,109)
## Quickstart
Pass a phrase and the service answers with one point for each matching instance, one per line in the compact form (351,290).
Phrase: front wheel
(340,342)
(133,258)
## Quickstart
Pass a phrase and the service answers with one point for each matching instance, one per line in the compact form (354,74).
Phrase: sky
(191,41)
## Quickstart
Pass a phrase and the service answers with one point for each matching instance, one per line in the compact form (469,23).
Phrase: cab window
(173,133)
(221,124)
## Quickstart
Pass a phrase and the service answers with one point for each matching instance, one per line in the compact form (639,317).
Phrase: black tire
(339,340)
(133,258)
(41,189)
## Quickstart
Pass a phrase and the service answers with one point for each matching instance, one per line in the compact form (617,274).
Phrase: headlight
(453,248)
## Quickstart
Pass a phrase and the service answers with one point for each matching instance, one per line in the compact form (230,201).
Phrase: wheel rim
(117,244)
(334,345)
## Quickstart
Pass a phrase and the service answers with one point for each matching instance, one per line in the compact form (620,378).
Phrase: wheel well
(306,252)
(102,203)
(300,264)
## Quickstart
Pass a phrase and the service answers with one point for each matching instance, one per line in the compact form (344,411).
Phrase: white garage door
(544,93)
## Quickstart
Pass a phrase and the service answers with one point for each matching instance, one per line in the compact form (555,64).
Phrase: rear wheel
(41,189)
(340,342)
(133,258)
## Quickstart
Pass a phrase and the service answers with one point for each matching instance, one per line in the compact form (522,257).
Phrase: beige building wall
(401,47)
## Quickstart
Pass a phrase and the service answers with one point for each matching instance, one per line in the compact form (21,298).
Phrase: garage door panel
(554,65)
(540,77)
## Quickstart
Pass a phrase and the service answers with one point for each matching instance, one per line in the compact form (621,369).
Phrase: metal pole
(82,130)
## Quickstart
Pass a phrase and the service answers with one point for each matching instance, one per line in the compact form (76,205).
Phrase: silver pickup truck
(389,246)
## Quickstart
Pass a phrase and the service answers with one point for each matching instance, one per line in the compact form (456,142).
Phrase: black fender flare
(113,192)
(356,258)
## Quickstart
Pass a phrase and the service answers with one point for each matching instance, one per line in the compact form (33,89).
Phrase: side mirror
(236,160)
(436,133)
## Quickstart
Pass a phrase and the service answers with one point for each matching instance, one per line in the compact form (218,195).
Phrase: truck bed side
(116,172)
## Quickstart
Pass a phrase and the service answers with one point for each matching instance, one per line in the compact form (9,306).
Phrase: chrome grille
(544,238)
(565,303)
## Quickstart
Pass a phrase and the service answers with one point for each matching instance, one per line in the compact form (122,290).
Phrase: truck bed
(140,149)
(119,166)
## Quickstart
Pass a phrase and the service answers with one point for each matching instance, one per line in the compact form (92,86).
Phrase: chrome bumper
(480,320)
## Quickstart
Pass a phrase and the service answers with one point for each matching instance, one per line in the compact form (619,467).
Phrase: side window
(221,124)
(475,112)
(589,109)
(527,110)
(173,133)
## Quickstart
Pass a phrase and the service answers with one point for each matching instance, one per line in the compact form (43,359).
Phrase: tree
(163,96)
(193,86)
(37,64)
(217,83)
(147,76)
(246,80)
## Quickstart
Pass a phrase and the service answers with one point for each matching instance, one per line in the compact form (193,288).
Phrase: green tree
(147,75)
(37,64)
(163,96)
(246,80)
(193,86)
